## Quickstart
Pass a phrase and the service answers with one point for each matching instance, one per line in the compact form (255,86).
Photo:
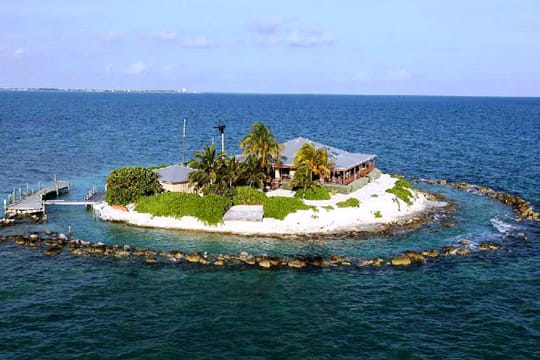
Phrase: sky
(373,47)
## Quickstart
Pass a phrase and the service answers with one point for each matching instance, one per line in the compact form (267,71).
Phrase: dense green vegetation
(401,191)
(350,202)
(209,209)
(245,195)
(262,145)
(125,185)
(279,207)
(328,207)
(315,193)
(378,214)
(155,167)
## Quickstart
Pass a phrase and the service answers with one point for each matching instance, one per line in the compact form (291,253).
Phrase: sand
(373,197)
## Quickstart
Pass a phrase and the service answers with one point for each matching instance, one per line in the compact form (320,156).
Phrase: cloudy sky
(424,47)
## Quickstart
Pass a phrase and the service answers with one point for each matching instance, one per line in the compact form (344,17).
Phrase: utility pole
(221,129)
(184,143)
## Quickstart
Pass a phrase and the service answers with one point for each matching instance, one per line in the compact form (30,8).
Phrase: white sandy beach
(373,197)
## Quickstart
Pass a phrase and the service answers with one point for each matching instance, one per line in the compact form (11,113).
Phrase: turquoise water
(481,306)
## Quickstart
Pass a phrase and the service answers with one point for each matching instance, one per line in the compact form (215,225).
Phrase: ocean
(485,305)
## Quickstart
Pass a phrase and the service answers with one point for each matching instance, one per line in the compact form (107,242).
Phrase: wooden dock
(34,203)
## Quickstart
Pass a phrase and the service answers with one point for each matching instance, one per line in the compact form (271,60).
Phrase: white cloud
(267,39)
(311,38)
(399,75)
(197,42)
(136,68)
(19,52)
(266,26)
(113,36)
(132,69)
(164,35)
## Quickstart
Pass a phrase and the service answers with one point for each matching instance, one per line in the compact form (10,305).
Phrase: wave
(501,226)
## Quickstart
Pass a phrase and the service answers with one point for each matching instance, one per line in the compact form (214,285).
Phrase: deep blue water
(481,306)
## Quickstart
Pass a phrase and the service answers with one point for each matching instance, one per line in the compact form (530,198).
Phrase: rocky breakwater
(55,243)
(523,210)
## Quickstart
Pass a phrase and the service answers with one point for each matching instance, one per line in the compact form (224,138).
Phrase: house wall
(181,187)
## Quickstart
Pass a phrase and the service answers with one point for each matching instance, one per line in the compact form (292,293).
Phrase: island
(299,187)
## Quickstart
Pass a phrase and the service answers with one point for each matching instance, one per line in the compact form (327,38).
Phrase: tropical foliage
(402,191)
(208,166)
(278,207)
(209,209)
(350,202)
(316,193)
(261,144)
(126,185)
(315,159)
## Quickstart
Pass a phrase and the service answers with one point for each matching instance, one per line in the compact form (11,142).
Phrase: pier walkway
(33,203)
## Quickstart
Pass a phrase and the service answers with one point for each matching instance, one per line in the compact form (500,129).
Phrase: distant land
(178,91)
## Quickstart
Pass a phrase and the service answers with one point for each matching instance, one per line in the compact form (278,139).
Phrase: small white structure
(244,213)
(175,178)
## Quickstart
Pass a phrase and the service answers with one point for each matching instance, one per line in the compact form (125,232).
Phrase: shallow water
(480,306)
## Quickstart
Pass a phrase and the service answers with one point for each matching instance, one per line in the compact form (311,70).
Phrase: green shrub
(246,195)
(279,207)
(328,207)
(378,214)
(374,195)
(403,184)
(317,193)
(350,202)
(126,185)
(209,209)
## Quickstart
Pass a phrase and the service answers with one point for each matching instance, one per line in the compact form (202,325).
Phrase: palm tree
(231,172)
(207,165)
(303,179)
(315,160)
(252,172)
(261,144)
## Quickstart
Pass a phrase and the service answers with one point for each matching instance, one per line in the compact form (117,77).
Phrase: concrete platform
(244,213)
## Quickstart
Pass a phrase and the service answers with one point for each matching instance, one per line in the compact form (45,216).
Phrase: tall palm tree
(207,165)
(252,172)
(231,171)
(261,144)
(314,159)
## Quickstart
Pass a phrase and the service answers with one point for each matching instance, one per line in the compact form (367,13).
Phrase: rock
(464,242)
(450,250)
(34,237)
(377,262)
(296,263)
(463,252)
(52,251)
(521,234)
(62,237)
(151,260)
(430,253)
(219,263)
(401,260)
(447,224)
(265,264)
(203,261)
(193,258)
(250,260)
(416,257)
(364,263)
(244,255)
(442,182)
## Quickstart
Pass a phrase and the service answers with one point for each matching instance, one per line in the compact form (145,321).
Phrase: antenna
(184,143)
(221,129)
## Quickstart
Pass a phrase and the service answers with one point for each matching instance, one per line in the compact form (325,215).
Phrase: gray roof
(342,159)
(174,174)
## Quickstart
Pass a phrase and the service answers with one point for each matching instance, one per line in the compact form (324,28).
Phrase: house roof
(342,159)
(174,174)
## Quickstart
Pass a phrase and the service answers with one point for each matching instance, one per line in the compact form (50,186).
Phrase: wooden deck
(34,203)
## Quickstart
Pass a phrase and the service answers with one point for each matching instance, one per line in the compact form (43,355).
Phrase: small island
(300,187)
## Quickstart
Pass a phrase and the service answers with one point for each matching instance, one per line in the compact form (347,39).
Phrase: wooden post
(70,231)
(5,206)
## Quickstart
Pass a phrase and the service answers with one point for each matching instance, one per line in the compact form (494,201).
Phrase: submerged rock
(401,260)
